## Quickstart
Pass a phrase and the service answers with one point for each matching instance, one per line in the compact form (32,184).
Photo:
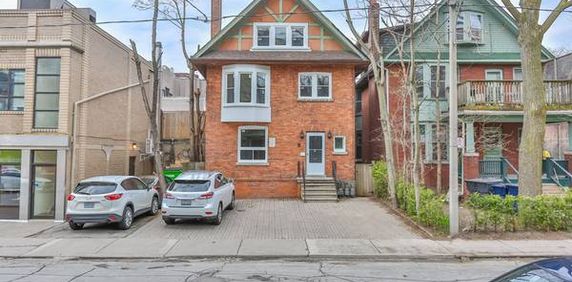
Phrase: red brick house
(489,97)
(281,90)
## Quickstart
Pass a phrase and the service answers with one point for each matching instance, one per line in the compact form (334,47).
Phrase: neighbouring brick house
(69,107)
(489,95)
(281,86)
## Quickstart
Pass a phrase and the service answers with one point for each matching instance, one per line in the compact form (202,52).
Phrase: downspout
(74,120)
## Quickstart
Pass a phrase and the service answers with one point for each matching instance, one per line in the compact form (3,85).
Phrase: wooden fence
(364,180)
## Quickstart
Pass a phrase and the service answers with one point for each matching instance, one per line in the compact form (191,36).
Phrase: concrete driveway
(359,218)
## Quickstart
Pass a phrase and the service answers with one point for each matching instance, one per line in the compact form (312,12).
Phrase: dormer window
(469,27)
(270,36)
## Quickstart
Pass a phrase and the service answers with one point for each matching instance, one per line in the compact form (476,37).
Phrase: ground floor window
(252,144)
(435,141)
(10,167)
(339,144)
(43,192)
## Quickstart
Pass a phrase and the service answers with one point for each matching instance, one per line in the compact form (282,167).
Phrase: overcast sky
(560,35)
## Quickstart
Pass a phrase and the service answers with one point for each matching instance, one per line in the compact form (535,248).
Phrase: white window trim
(237,70)
(315,87)
(427,81)
(272,46)
(466,27)
(514,73)
(342,150)
(252,162)
(487,71)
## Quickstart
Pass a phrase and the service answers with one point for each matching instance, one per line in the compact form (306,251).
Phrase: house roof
(208,53)
(493,6)
(326,57)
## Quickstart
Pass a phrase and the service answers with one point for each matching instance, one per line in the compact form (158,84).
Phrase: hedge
(432,207)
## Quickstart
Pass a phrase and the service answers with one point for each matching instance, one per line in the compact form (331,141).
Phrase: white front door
(315,154)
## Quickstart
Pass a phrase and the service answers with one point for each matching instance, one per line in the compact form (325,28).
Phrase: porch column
(60,185)
(469,137)
(25,175)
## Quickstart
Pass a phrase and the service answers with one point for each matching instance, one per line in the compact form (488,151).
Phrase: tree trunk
(532,140)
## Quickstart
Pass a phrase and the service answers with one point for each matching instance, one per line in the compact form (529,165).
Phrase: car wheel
(218,219)
(232,204)
(154,206)
(168,220)
(76,226)
(127,219)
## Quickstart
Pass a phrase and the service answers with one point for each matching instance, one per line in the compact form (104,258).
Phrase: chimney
(216,14)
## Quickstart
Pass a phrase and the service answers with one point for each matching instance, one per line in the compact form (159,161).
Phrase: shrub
(431,209)
(540,213)
(379,172)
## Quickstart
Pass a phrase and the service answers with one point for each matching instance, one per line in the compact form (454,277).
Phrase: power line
(205,20)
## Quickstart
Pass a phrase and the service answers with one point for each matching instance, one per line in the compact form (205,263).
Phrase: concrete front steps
(552,189)
(319,189)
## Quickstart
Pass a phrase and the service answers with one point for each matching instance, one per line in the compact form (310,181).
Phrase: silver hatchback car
(197,195)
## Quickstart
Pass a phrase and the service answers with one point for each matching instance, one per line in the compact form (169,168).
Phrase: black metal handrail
(304,181)
(334,171)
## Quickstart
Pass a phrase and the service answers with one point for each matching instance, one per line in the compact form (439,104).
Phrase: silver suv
(110,199)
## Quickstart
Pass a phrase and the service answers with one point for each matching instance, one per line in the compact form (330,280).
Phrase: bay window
(246,85)
(280,36)
(314,86)
(252,144)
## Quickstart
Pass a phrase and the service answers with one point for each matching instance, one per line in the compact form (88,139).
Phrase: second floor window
(11,90)
(280,36)
(246,85)
(46,105)
(315,86)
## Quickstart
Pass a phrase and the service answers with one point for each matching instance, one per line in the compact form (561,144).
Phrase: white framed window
(427,81)
(273,36)
(253,144)
(493,74)
(340,144)
(246,85)
(314,86)
(517,73)
(469,27)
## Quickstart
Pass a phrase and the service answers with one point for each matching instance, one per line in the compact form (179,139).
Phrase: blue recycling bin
(499,189)
(512,189)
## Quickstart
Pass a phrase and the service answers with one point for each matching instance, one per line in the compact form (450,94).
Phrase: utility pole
(453,123)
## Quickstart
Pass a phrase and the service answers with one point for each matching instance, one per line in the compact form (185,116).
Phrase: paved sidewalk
(141,248)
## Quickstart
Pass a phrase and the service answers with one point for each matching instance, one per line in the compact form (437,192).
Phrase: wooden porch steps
(319,189)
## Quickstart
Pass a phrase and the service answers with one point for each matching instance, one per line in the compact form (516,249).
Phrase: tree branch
(512,9)
(352,27)
(563,5)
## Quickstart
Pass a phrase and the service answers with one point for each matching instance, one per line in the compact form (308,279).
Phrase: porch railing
(555,170)
(497,168)
(509,92)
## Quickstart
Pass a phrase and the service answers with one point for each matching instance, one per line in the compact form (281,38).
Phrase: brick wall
(289,118)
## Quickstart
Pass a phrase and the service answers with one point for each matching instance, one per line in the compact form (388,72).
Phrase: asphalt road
(251,270)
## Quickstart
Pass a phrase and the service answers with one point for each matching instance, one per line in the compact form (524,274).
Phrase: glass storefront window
(43,184)
(10,162)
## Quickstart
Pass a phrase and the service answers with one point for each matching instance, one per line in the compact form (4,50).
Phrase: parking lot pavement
(359,218)
(96,231)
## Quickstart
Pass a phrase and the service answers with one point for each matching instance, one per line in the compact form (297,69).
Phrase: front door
(315,157)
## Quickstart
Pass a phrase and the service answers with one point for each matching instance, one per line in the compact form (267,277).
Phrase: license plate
(89,205)
(186,202)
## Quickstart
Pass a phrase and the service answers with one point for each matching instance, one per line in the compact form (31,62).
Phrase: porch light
(301,134)
(329,134)
(134,146)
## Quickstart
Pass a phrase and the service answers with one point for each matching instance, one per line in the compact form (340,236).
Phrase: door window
(43,184)
(315,149)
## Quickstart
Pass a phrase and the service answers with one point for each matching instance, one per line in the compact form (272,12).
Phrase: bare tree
(530,36)
(374,53)
(152,106)
(176,11)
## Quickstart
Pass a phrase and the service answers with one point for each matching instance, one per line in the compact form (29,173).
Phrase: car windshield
(190,186)
(148,180)
(95,188)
